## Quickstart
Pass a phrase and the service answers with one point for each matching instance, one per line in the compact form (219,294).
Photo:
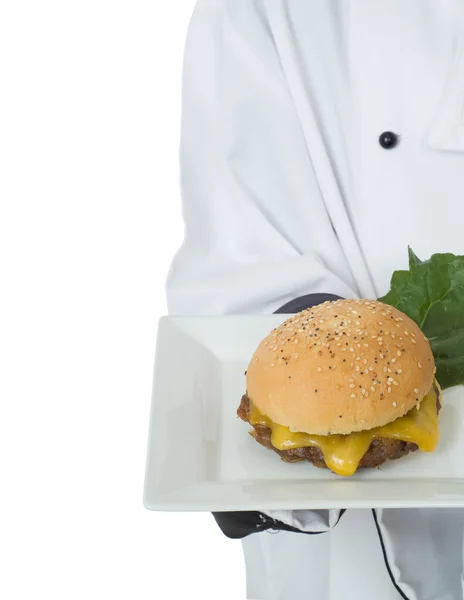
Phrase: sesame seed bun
(341,367)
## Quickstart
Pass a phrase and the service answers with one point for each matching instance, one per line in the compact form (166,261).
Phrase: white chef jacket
(287,191)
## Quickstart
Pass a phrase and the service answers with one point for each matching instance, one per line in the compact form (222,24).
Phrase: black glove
(237,525)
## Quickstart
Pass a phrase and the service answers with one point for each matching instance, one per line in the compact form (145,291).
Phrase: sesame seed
(399,371)
(419,365)
(398,353)
(358,358)
(394,404)
(379,323)
(395,382)
(357,368)
(416,391)
(353,395)
(406,332)
(413,341)
(372,388)
(296,341)
(319,369)
(352,385)
(351,349)
(272,364)
(389,389)
(393,360)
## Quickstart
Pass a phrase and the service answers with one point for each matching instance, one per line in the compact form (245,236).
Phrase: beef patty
(380,450)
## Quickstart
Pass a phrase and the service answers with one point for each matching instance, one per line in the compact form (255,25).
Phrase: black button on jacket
(388,140)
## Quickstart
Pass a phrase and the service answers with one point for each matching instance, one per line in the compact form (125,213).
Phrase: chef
(319,140)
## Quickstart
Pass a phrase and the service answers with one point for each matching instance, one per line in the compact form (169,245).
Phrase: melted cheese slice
(343,453)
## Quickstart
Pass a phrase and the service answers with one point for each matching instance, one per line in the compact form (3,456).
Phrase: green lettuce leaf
(431,293)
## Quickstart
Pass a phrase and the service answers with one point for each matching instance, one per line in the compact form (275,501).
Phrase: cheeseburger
(344,385)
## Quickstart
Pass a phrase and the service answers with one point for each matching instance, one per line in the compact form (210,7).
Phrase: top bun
(341,367)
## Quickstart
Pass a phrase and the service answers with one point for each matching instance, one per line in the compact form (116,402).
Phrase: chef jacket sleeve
(257,234)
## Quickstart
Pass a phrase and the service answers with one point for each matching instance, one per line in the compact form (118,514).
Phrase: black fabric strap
(237,525)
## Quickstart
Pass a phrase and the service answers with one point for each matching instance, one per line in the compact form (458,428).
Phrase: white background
(89,221)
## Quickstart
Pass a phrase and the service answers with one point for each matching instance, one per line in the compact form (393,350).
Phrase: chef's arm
(257,234)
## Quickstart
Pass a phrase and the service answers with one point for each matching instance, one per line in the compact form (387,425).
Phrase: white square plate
(200,456)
